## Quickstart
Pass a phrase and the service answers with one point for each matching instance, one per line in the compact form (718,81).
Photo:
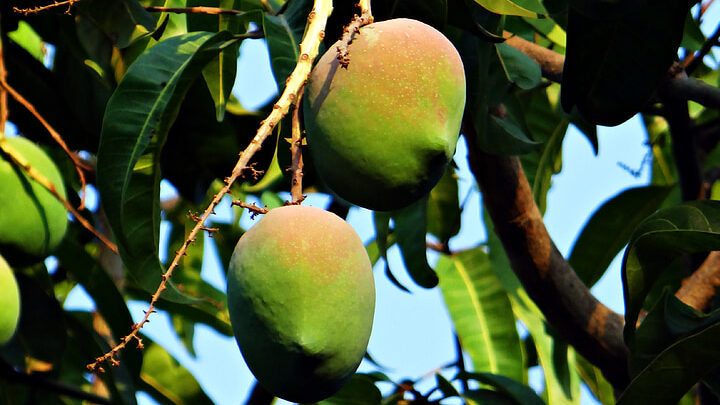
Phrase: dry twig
(34,10)
(254,209)
(193,10)
(317,19)
(349,31)
(296,152)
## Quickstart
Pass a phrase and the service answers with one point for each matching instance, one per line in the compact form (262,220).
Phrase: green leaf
(481,313)
(284,33)
(488,397)
(137,119)
(550,163)
(360,390)
(410,233)
(562,386)
(506,7)
(166,380)
(610,228)
(505,137)
(29,40)
(521,393)
(687,228)
(674,372)
(519,68)
(693,37)
(443,209)
(614,65)
(446,386)
(123,21)
(594,379)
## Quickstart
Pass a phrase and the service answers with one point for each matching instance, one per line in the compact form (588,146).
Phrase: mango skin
(301,297)
(32,220)
(382,131)
(9,302)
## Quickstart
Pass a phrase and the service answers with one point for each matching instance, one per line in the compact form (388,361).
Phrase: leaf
(674,372)
(507,7)
(166,380)
(519,68)
(594,379)
(521,393)
(561,386)
(446,386)
(693,37)
(505,137)
(383,240)
(690,227)
(610,228)
(284,33)
(29,40)
(481,313)
(487,397)
(410,233)
(360,390)
(550,164)
(137,119)
(614,65)
(443,209)
(123,21)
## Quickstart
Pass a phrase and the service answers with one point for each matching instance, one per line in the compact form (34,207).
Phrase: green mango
(9,302)
(301,297)
(382,130)
(32,220)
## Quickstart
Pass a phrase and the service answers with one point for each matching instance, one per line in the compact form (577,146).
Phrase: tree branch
(551,62)
(700,288)
(693,61)
(193,10)
(593,329)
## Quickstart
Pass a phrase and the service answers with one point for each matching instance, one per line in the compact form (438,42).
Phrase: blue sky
(412,333)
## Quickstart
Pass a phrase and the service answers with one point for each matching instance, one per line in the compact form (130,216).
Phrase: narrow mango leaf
(446,386)
(593,377)
(383,240)
(137,119)
(29,40)
(612,66)
(519,68)
(487,397)
(504,136)
(123,21)
(82,267)
(687,228)
(410,233)
(360,390)
(562,386)
(481,312)
(166,380)
(676,370)
(507,7)
(522,394)
(443,211)
(283,33)
(693,37)
(550,163)
(610,227)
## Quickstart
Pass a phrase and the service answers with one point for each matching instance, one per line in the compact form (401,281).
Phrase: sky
(412,333)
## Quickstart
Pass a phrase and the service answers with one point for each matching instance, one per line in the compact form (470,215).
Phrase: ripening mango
(9,302)
(382,129)
(32,220)
(301,298)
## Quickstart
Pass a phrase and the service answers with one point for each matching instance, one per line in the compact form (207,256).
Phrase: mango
(301,297)
(32,220)
(382,130)
(9,302)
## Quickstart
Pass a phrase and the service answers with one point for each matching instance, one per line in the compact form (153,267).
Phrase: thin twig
(193,10)
(349,31)
(317,19)
(254,209)
(34,10)
(20,161)
(296,152)
(3,93)
(79,166)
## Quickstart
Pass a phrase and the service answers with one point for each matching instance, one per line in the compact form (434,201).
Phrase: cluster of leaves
(157,87)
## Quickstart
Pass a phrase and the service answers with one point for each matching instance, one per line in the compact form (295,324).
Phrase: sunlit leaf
(481,313)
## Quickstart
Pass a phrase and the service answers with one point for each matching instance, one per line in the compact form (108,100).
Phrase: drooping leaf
(481,313)
(123,21)
(594,379)
(443,211)
(138,117)
(445,386)
(519,68)
(613,65)
(166,380)
(610,227)
(550,163)
(410,233)
(283,33)
(690,227)
(522,394)
(674,371)
(561,385)
(360,390)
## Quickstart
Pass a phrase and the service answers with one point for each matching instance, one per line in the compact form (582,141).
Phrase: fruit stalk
(315,32)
